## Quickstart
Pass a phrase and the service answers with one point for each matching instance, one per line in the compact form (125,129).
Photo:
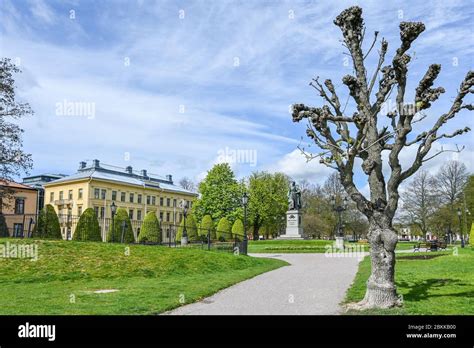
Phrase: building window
(139,214)
(79,210)
(96,193)
(131,197)
(161,216)
(19,206)
(17,230)
(51,197)
(79,193)
(148,200)
(61,195)
(114,195)
(70,195)
(168,202)
(103,194)
(161,201)
(122,196)
(96,211)
(153,200)
(102,212)
(167,216)
(130,214)
(139,199)
(174,202)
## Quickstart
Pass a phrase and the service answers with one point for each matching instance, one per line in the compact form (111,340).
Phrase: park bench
(416,247)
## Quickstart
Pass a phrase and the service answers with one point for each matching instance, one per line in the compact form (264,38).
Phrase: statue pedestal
(294,229)
(340,243)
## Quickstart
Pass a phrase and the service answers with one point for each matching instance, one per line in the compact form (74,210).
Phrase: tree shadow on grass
(420,290)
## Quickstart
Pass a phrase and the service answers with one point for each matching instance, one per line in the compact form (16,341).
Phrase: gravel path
(312,284)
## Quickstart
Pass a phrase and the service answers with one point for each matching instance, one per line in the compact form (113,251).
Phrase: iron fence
(169,234)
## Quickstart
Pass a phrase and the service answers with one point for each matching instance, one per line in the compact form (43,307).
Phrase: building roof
(13,185)
(122,175)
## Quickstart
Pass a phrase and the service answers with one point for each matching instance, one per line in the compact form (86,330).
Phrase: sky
(177,86)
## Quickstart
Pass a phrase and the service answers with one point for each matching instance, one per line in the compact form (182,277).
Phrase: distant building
(97,185)
(19,207)
(37,182)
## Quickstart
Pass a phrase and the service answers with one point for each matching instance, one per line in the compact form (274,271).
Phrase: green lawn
(150,280)
(440,285)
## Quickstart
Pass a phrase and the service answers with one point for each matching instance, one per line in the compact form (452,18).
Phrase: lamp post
(184,237)
(460,228)
(113,209)
(245,200)
(339,209)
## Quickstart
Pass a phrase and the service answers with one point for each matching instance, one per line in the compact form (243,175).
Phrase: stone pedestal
(340,243)
(294,229)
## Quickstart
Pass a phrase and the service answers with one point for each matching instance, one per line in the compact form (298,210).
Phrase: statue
(294,197)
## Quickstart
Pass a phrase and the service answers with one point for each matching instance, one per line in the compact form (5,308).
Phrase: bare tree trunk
(381,291)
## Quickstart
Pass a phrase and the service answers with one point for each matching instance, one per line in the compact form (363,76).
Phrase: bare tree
(420,201)
(450,181)
(343,138)
(187,184)
(13,160)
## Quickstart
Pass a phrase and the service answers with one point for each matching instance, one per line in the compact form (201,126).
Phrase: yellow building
(98,185)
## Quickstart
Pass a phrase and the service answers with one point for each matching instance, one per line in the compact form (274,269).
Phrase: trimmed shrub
(191,229)
(207,224)
(48,224)
(238,230)
(115,230)
(223,231)
(3,227)
(88,228)
(150,230)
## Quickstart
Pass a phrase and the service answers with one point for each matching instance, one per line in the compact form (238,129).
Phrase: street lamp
(460,228)
(339,209)
(245,200)
(113,209)
(184,237)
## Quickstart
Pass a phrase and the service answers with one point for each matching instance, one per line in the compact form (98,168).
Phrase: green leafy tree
(48,224)
(150,231)
(267,199)
(207,224)
(220,194)
(471,236)
(114,234)
(88,228)
(224,231)
(238,229)
(191,229)
(3,227)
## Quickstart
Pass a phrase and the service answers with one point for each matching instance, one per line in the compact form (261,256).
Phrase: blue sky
(175,83)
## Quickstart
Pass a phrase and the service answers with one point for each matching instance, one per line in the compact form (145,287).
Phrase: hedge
(223,231)
(191,229)
(114,234)
(238,230)
(207,224)
(48,224)
(150,230)
(88,228)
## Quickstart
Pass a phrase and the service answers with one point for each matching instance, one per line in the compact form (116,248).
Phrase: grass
(150,280)
(440,284)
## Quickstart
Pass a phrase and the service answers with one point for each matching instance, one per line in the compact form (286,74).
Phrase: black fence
(169,234)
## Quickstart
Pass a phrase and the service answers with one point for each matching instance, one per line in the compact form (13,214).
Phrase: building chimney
(129,170)
(169,178)
(96,163)
(82,165)
(144,174)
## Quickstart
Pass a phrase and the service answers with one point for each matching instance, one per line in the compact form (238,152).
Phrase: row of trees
(221,194)
(430,202)
(224,230)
